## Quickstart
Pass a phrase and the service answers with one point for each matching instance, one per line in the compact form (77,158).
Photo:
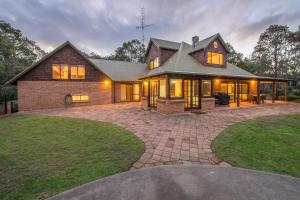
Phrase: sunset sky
(103,25)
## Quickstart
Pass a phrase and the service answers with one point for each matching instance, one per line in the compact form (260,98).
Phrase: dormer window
(154,63)
(215,58)
(216,45)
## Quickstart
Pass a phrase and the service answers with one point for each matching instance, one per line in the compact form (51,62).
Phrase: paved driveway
(173,139)
(188,182)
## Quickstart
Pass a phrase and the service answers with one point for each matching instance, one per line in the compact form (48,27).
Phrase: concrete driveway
(174,139)
(188,182)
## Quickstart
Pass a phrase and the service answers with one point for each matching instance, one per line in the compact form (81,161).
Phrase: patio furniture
(222,98)
(262,98)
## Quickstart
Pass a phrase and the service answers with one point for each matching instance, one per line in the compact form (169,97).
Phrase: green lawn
(41,156)
(267,144)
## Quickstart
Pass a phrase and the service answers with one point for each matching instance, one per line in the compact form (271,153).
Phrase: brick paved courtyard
(173,139)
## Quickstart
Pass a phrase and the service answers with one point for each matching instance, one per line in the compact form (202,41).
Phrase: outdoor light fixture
(145,82)
(105,82)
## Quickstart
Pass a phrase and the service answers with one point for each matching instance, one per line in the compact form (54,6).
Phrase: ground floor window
(80,98)
(176,88)
(206,88)
(162,88)
(145,89)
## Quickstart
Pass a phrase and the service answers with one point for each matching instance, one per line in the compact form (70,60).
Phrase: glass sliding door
(136,92)
(191,94)
(153,93)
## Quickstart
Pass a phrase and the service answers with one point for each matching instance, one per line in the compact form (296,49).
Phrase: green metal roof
(165,43)
(183,63)
(120,70)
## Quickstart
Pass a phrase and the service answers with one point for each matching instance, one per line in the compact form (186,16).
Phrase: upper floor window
(216,45)
(215,58)
(77,72)
(154,63)
(60,71)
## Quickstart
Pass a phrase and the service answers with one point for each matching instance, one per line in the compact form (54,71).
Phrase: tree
(294,64)
(16,52)
(239,60)
(233,56)
(131,51)
(272,51)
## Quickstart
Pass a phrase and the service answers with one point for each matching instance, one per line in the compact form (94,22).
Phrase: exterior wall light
(105,82)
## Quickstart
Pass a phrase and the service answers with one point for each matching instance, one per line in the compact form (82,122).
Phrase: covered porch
(172,93)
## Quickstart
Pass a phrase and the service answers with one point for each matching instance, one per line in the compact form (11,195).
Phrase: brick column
(273,91)
(258,92)
(238,93)
(286,91)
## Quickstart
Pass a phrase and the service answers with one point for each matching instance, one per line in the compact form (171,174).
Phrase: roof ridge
(122,61)
(163,40)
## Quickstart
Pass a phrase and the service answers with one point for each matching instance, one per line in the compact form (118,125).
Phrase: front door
(126,92)
(153,93)
(191,94)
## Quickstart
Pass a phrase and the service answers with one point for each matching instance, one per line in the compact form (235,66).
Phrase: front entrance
(191,94)
(153,93)
(130,92)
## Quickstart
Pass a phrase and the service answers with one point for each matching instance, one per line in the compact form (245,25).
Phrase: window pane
(244,88)
(145,89)
(123,92)
(75,98)
(175,88)
(209,57)
(73,72)
(162,88)
(215,58)
(151,64)
(156,62)
(64,72)
(56,72)
(84,98)
(81,72)
(136,92)
(224,88)
(206,88)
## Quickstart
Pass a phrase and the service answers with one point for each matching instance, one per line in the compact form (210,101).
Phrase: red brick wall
(66,55)
(170,106)
(51,94)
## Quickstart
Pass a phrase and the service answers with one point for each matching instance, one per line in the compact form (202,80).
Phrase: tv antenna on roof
(143,25)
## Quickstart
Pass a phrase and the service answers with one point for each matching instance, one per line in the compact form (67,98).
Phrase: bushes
(10,93)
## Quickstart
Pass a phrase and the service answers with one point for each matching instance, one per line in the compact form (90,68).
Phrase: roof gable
(28,69)
(164,44)
(203,44)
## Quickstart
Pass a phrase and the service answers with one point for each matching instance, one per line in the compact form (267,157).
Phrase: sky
(103,25)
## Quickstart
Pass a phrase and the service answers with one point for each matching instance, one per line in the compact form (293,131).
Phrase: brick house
(175,77)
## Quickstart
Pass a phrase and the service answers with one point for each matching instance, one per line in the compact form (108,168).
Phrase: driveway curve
(174,139)
(188,182)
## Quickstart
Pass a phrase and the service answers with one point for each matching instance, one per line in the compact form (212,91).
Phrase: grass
(267,144)
(41,156)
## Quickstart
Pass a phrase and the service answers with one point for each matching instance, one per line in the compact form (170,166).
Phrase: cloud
(102,25)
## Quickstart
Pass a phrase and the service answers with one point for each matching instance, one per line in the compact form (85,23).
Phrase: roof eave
(214,75)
